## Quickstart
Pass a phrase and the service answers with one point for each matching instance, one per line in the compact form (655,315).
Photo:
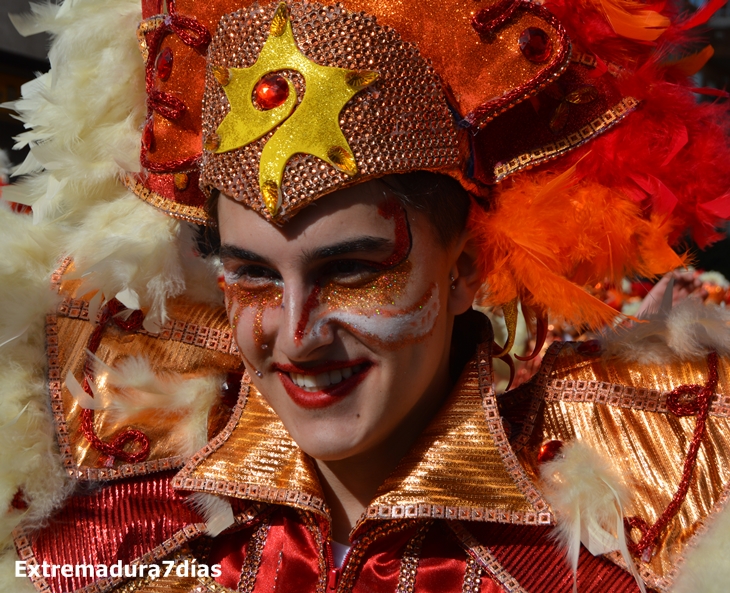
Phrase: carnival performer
(238,349)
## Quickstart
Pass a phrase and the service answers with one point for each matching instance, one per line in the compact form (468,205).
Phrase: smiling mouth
(314,383)
(324,385)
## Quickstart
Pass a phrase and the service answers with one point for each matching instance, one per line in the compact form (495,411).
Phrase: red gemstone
(148,136)
(536,45)
(271,91)
(549,451)
(164,64)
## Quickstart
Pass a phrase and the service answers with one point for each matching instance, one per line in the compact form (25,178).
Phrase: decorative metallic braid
(250,568)
(472,577)
(409,562)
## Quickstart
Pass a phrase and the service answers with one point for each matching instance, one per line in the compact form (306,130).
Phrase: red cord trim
(189,30)
(685,400)
(166,104)
(193,34)
(115,449)
(491,109)
(488,20)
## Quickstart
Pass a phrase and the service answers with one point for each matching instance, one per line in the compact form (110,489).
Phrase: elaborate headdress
(278,104)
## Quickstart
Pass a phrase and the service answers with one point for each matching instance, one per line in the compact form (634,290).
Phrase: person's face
(343,315)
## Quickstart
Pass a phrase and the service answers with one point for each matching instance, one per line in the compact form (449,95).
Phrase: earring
(453,286)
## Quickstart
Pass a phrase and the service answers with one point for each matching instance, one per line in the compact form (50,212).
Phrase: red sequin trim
(685,400)
(115,449)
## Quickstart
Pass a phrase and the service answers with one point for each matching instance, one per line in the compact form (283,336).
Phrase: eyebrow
(233,252)
(358,245)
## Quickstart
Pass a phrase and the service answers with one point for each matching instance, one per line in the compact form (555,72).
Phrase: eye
(252,276)
(350,272)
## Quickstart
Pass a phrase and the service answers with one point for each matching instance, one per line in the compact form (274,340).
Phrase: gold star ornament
(311,127)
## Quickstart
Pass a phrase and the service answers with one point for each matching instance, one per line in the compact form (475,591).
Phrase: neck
(350,484)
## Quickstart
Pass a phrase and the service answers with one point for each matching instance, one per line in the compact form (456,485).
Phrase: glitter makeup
(239,298)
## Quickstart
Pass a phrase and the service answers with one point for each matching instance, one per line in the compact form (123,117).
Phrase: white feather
(588,497)
(216,511)
(689,331)
(132,387)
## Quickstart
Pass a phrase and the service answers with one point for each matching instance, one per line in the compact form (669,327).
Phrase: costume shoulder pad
(129,399)
(640,425)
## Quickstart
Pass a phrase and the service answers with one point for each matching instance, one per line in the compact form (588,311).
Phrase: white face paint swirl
(388,326)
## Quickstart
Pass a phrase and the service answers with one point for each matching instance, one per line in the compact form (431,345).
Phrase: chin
(328,444)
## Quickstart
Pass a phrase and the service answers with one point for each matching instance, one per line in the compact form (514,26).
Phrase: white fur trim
(216,511)
(707,569)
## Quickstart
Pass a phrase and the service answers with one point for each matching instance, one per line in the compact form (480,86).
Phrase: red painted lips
(323,385)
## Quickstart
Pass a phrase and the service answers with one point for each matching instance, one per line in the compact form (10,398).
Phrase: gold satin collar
(461,467)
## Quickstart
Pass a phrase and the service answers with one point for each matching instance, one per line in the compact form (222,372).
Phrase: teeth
(317,382)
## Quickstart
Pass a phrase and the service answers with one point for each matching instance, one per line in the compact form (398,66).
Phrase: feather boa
(85,118)
(29,460)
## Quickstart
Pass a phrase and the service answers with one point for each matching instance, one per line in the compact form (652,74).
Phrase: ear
(465,272)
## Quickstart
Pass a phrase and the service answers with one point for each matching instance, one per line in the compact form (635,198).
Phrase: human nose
(301,331)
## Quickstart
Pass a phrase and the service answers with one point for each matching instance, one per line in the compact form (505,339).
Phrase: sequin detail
(387,131)
(254,550)
(409,561)
(484,556)
(194,214)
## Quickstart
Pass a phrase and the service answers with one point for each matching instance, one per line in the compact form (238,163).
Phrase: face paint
(239,298)
(391,209)
(387,326)
(369,311)
(311,302)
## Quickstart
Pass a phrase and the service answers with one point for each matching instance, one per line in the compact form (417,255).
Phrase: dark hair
(440,197)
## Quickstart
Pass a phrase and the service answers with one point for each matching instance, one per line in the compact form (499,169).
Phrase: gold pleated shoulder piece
(126,401)
(621,410)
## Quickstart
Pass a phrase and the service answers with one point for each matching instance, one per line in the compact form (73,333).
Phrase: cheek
(384,313)
(254,303)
